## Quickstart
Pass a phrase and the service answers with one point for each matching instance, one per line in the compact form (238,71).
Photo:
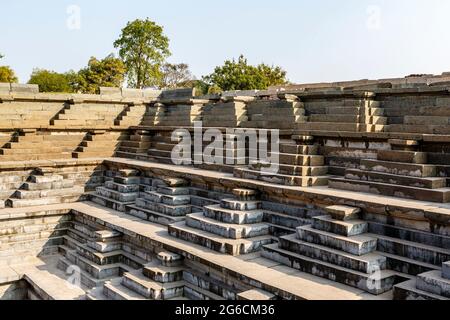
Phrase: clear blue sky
(320,40)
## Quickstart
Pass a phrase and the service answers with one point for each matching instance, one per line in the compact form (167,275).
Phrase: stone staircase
(121,190)
(230,112)
(355,114)
(299,165)
(399,172)
(432,285)
(88,115)
(281,113)
(99,143)
(162,146)
(29,144)
(234,227)
(336,247)
(98,255)
(136,146)
(165,201)
(45,187)
(132,115)
(178,115)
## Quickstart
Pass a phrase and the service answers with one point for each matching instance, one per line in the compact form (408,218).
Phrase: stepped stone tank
(358,208)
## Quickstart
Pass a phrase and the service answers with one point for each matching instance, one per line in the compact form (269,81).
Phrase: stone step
(347,118)
(175,211)
(21,203)
(406,265)
(343,213)
(173,191)
(122,188)
(216,243)
(226,230)
(368,263)
(412,250)
(344,228)
(433,282)
(299,159)
(27,194)
(169,259)
(299,149)
(240,205)
(417,182)
(114,290)
(376,283)
(218,213)
(441,195)
(281,179)
(256,294)
(116,195)
(363,111)
(171,200)
(137,282)
(402,156)
(292,170)
(63,184)
(107,202)
(152,216)
(407,291)
(193,292)
(86,279)
(163,274)
(399,168)
(357,245)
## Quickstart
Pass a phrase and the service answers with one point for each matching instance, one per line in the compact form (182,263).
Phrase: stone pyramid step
(282,179)
(217,243)
(441,195)
(171,200)
(86,279)
(300,159)
(367,263)
(417,182)
(175,211)
(114,290)
(299,149)
(32,186)
(407,291)
(376,283)
(240,205)
(122,188)
(406,265)
(107,202)
(137,282)
(402,156)
(170,259)
(27,194)
(163,274)
(218,213)
(94,269)
(356,110)
(343,213)
(292,170)
(344,228)
(116,195)
(357,245)
(173,191)
(412,250)
(433,282)
(256,294)
(152,216)
(226,230)
(399,168)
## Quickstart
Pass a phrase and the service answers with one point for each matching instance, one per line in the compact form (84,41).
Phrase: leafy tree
(143,48)
(7,75)
(50,81)
(239,75)
(176,76)
(109,72)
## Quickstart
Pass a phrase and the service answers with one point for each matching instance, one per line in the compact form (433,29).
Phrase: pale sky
(320,40)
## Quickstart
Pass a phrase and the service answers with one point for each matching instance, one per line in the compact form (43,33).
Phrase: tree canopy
(7,75)
(51,81)
(109,72)
(239,75)
(176,76)
(143,47)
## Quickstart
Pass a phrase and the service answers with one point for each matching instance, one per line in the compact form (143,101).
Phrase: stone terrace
(358,210)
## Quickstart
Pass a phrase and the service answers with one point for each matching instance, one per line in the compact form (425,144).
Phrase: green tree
(51,81)
(143,48)
(109,72)
(7,75)
(239,75)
